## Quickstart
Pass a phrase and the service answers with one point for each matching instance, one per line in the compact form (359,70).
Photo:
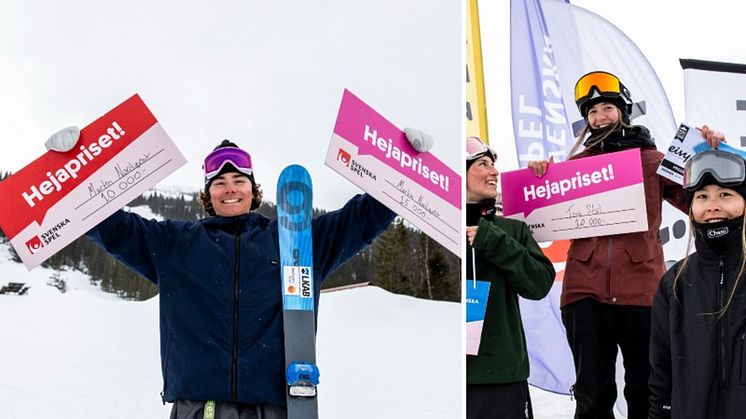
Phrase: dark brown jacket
(624,269)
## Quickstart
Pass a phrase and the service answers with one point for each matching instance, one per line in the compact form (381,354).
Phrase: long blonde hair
(720,313)
(616,126)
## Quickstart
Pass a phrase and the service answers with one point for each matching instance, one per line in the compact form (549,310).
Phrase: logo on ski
(297,281)
(305,282)
(34,245)
(290,278)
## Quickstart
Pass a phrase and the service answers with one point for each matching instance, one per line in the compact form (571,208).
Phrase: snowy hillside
(86,354)
(185,192)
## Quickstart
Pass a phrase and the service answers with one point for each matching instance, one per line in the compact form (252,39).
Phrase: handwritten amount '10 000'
(124,184)
(589,222)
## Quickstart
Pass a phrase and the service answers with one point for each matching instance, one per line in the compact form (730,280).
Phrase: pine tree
(391,255)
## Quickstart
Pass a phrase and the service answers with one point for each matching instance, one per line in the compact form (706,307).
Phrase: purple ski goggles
(215,161)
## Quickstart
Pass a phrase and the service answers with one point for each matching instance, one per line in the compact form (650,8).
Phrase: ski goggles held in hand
(475,148)
(727,169)
(215,161)
(606,84)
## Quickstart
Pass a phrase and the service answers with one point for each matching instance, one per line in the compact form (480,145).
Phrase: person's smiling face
(715,203)
(230,194)
(481,180)
(602,115)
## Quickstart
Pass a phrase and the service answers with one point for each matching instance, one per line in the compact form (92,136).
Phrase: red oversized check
(60,196)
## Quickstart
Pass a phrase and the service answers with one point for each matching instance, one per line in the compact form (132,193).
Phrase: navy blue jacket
(222,273)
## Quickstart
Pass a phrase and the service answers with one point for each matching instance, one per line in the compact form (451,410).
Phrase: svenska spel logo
(344,157)
(34,245)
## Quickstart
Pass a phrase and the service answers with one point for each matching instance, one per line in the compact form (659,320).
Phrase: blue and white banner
(540,123)
(541,130)
(584,42)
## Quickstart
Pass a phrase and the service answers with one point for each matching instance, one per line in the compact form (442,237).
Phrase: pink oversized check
(594,196)
(60,196)
(375,155)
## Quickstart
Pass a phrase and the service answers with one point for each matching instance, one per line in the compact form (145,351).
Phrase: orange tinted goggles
(603,81)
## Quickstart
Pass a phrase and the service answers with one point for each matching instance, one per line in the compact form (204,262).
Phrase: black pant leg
(498,401)
(589,332)
(632,325)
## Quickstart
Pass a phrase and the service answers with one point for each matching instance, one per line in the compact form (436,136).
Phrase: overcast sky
(664,31)
(267,75)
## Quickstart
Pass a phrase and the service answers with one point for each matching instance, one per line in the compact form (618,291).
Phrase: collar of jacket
(475,211)
(250,218)
(636,136)
(732,254)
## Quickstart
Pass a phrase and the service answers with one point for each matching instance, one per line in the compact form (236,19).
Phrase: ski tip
(294,172)
(294,168)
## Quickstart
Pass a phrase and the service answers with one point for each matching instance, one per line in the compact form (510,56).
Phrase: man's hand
(418,140)
(63,140)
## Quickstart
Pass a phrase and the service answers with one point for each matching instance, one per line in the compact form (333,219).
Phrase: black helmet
(601,86)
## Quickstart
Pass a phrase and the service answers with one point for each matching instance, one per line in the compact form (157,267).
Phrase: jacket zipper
(236,283)
(721,327)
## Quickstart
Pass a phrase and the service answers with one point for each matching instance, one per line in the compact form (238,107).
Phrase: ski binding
(302,379)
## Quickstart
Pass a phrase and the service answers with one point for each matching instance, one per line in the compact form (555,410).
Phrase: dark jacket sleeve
(660,353)
(340,234)
(133,240)
(520,259)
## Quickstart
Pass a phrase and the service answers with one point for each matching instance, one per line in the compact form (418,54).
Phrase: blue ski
(294,215)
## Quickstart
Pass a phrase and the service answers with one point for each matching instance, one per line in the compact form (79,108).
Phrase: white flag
(715,94)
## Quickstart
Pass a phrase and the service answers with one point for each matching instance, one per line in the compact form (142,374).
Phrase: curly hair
(206,202)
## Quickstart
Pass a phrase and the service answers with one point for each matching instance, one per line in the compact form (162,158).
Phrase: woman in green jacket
(507,256)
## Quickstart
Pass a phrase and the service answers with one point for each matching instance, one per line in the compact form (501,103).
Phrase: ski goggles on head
(727,169)
(475,148)
(215,161)
(604,83)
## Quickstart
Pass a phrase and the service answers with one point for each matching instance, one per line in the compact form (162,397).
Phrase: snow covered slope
(87,354)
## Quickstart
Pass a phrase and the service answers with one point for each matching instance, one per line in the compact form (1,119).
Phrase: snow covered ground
(551,406)
(87,354)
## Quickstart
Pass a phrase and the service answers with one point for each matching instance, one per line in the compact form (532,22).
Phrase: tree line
(401,260)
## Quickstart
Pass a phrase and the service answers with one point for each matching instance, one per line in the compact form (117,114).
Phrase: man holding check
(219,282)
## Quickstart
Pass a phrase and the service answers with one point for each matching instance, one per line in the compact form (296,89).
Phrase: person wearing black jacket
(222,345)
(697,351)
